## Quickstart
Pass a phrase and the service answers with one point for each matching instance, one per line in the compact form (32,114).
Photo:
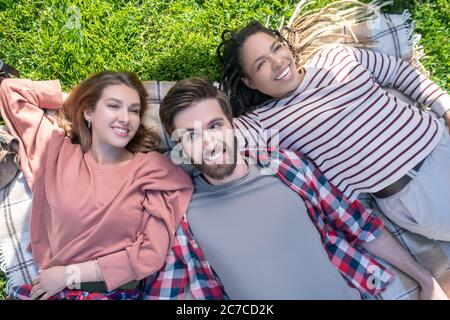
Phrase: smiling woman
(272,68)
(337,110)
(105,204)
(118,109)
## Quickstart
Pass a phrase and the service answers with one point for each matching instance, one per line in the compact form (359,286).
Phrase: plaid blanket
(431,254)
(15,206)
(393,35)
(24,292)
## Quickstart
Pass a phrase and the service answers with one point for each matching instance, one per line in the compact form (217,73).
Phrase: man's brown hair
(187,92)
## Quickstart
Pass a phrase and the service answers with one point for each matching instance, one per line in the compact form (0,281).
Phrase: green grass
(2,286)
(433,22)
(162,39)
(158,39)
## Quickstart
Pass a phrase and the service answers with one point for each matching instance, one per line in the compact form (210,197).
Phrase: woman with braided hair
(328,101)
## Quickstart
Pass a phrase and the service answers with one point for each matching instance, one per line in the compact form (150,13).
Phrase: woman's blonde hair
(310,31)
(85,97)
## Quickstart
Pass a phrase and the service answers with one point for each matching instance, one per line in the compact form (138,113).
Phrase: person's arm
(170,282)
(249,132)
(22,104)
(390,250)
(396,73)
(148,252)
(446,117)
(361,227)
(353,221)
(167,196)
(342,225)
(136,262)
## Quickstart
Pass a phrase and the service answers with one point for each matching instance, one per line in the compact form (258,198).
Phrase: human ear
(248,82)
(87,115)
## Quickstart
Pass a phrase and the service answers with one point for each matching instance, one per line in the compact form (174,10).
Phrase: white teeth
(213,155)
(284,73)
(119,130)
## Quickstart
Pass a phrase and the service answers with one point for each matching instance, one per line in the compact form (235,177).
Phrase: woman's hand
(49,282)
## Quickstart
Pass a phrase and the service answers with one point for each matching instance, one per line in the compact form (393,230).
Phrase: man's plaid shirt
(342,225)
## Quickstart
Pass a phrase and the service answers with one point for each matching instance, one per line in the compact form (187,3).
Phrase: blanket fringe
(4,267)
(417,51)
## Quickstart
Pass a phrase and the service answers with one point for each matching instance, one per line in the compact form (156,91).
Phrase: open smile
(284,74)
(215,156)
(121,132)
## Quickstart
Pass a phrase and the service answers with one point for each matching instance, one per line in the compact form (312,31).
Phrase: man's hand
(49,282)
(431,290)
(446,117)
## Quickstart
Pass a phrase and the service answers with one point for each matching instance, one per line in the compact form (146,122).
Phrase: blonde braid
(309,32)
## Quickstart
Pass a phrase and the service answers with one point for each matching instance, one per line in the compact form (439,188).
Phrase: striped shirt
(362,138)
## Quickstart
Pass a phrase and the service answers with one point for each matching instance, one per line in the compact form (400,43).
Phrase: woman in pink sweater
(105,204)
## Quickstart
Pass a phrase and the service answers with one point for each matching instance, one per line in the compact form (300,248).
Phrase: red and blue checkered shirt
(343,226)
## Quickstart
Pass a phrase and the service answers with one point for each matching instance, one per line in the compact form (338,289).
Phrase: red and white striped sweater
(361,137)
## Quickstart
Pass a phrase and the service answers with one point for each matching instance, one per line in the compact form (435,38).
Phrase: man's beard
(220,171)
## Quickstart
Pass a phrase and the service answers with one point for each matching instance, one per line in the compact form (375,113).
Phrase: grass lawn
(162,39)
